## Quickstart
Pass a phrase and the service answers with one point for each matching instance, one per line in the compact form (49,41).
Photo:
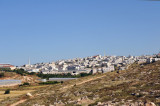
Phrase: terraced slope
(139,85)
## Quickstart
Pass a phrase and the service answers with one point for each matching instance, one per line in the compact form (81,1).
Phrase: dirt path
(91,79)
(64,88)
(19,102)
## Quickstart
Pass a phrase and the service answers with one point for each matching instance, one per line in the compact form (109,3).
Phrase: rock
(150,104)
(133,94)
(70,102)
(79,100)
(145,93)
(85,97)
(29,94)
(132,104)
(130,100)
(140,104)
(99,103)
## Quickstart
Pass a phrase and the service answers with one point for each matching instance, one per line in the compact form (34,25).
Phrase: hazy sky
(48,30)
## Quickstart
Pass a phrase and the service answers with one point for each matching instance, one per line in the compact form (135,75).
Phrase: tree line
(46,76)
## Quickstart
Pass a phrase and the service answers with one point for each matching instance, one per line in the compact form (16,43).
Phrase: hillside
(14,75)
(139,85)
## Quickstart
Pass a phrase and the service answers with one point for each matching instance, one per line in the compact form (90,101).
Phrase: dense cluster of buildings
(92,64)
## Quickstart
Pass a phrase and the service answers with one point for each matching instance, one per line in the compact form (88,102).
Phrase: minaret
(29,63)
(104,54)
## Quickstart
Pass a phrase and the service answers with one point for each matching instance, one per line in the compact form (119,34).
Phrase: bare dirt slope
(13,75)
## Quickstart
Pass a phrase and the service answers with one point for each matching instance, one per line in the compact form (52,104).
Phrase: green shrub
(7,91)
(49,82)
(26,83)
(67,75)
(1,75)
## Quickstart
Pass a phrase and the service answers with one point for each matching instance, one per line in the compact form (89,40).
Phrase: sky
(50,30)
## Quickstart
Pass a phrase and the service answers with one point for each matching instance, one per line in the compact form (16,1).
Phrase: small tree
(1,75)
(26,83)
(7,91)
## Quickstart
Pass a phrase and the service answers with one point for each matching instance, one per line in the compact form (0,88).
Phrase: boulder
(29,94)
(99,103)
(150,104)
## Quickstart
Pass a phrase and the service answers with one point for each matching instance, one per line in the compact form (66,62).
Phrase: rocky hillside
(137,86)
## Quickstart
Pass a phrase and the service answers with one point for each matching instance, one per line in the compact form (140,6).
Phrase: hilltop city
(92,64)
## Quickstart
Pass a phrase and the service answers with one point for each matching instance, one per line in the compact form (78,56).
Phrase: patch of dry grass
(13,94)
